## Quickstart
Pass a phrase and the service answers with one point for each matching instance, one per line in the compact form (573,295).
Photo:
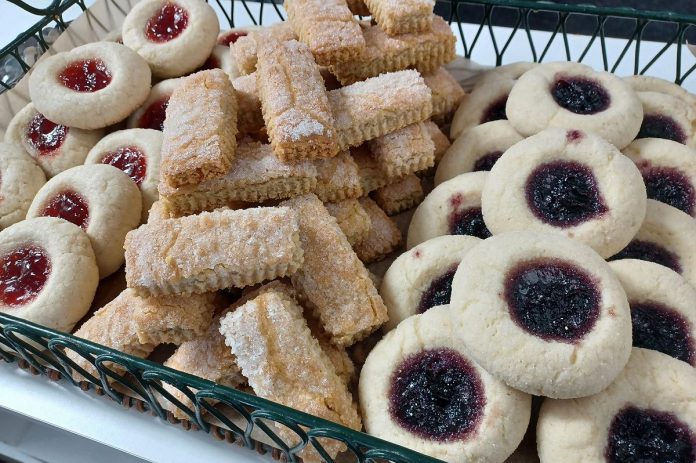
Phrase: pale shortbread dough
(20,179)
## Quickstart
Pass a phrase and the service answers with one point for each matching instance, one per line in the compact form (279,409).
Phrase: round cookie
(476,150)
(421,278)
(230,36)
(113,36)
(48,273)
(53,146)
(101,200)
(137,153)
(668,117)
(543,313)
(452,208)
(153,111)
(574,96)
(663,308)
(655,84)
(20,179)
(420,388)
(647,415)
(221,58)
(669,171)
(568,182)
(174,37)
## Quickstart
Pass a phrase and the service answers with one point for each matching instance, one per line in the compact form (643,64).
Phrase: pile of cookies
(257,191)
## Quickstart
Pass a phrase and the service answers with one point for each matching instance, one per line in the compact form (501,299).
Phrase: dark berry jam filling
(166,24)
(580,95)
(439,291)
(564,194)
(468,222)
(670,186)
(87,75)
(661,126)
(23,274)
(153,117)
(651,252)
(660,328)
(45,136)
(496,111)
(70,206)
(486,162)
(230,37)
(552,299)
(638,435)
(130,160)
(437,395)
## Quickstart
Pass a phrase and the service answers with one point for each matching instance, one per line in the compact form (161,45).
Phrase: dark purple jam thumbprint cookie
(420,388)
(648,414)
(421,278)
(574,96)
(452,208)
(655,84)
(569,182)
(667,117)
(543,313)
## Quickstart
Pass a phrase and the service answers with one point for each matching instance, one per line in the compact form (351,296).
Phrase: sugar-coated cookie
(153,111)
(667,116)
(20,179)
(569,182)
(543,313)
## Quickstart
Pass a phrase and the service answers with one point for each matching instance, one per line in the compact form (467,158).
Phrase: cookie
(404,151)
(53,146)
(667,116)
(338,178)
(352,218)
(384,235)
(397,18)
(221,58)
(399,196)
(245,49)
(655,84)
(447,93)
(91,86)
(98,198)
(230,36)
(574,96)
(420,388)
(21,180)
(249,115)
(153,111)
(38,261)
(569,182)
(543,313)
(439,139)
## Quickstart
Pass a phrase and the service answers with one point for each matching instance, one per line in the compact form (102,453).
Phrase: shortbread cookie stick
(384,236)
(233,248)
(328,28)
(249,116)
(245,49)
(404,151)
(447,93)
(294,102)
(378,106)
(402,16)
(200,129)
(372,177)
(439,139)
(352,218)
(338,178)
(333,282)
(425,51)
(400,196)
(358,7)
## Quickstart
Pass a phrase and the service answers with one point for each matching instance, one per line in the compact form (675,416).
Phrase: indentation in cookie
(580,95)
(552,299)
(437,394)
(70,206)
(130,160)
(45,136)
(652,252)
(166,24)
(439,291)
(564,194)
(669,186)
(467,221)
(660,328)
(23,274)
(486,162)
(89,75)
(646,435)
(154,115)
(496,111)
(230,37)
(661,126)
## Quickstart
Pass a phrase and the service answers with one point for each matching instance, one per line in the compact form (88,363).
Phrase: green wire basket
(138,383)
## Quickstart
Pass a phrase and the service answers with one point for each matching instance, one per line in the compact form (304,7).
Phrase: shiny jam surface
(70,206)
(130,160)
(661,126)
(580,95)
(231,37)
(468,222)
(660,328)
(167,23)
(651,252)
(45,136)
(87,75)
(439,291)
(670,186)
(487,161)
(496,111)
(23,274)
(153,117)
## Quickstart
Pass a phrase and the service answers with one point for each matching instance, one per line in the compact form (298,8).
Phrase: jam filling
(130,160)
(661,126)
(580,95)
(230,37)
(45,136)
(23,274)
(670,186)
(88,75)
(647,250)
(496,111)
(437,395)
(70,206)
(166,24)
(660,328)
(552,299)
(486,162)
(468,222)
(153,117)
(439,291)
(564,194)
(638,435)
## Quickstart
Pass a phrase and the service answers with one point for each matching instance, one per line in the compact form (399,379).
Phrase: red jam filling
(23,274)
(154,115)
(45,136)
(89,75)
(70,206)
(211,63)
(231,37)
(166,24)
(130,160)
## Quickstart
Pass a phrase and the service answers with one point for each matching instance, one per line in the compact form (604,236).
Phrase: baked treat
(137,153)
(663,308)
(158,212)
(404,151)
(91,86)
(21,179)
(452,208)
(402,17)
(328,28)
(54,147)
(655,84)
(249,115)
(338,178)
(543,313)
(153,111)
(371,176)
(204,103)
(113,36)
(399,196)
(221,58)
(569,182)
(244,50)
(425,52)
(358,7)
(383,238)
(174,37)
(647,414)
(420,388)
(447,93)
(669,171)
(440,140)
(294,102)
(352,218)
(421,278)
(666,116)
(333,283)
(98,198)
(477,149)
(574,96)
(38,261)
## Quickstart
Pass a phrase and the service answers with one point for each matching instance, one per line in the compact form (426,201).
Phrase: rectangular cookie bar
(439,139)
(447,93)
(233,248)
(249,116)
(384,236)
(402,16)
(400,196)
(338,178)
(404,151)
(245,50)
(352,218)
(372,177)
(200,129)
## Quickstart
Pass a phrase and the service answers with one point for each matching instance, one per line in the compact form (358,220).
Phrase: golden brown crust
(341,361)
(447,93)
(439,139)
(400,196)
(245,49)
(249,115)
(384,235)
(338,178)
(402,16)
(157,212)
(404,151)
(371,175)
(352,218)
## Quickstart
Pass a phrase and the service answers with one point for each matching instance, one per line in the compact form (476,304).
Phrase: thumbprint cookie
(153,111)
(20,179)
(667,116)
